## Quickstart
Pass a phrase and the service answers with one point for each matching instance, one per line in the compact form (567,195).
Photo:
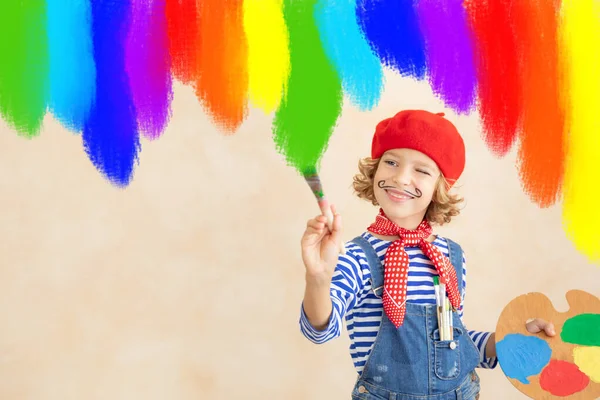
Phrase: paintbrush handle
(314,182)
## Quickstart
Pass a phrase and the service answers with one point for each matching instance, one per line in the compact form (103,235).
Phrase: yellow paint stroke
(268,52)
(587,360)
(580,36)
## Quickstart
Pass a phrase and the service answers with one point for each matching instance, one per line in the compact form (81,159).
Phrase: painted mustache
(416,195)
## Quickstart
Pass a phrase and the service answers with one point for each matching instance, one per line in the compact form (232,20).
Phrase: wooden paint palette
(566,366)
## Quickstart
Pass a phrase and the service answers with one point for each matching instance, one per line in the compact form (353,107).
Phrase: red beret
(429,133)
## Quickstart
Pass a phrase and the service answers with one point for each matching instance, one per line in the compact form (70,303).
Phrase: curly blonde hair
(442,208)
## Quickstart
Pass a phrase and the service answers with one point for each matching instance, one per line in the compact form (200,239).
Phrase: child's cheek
(426,187)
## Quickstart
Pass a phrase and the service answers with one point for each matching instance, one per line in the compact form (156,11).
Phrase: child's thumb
(336,226)
(336,231)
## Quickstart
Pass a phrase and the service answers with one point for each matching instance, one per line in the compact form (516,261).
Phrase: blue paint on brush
(72,68)
(393,31)
(345,45)
(523,356)
(110,136)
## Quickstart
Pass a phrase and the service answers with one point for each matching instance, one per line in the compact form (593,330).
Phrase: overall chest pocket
(447,355)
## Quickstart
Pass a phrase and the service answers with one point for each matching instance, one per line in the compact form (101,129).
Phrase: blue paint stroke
(523,356)
(110,137)
(346,47)
(72,68)
(393,31)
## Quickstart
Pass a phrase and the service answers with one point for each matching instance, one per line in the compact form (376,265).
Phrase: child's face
(404,185)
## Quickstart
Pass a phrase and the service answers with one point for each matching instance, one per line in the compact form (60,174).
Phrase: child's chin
(397,211)
(402,212)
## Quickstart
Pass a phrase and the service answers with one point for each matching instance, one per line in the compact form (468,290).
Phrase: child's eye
(423,172)
(390,162)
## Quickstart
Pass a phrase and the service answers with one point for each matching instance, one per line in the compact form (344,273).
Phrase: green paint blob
(24,65)
(309,110)
(582,329)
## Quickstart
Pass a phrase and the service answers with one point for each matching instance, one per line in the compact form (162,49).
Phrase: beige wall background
(187,284)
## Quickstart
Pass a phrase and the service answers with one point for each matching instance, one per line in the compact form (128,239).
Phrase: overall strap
(455,254)
(374,262)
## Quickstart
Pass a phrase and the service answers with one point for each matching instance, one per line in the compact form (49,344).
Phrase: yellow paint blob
(268,52)
(587,360)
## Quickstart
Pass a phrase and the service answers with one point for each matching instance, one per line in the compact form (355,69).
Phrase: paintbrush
(314,182)
(438,306)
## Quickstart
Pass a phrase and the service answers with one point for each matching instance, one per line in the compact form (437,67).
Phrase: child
(383,284)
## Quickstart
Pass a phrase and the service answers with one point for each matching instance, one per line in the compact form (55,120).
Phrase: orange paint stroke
(542,151)
(222,70)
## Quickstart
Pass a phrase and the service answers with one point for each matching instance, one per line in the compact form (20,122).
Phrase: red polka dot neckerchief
(395,275)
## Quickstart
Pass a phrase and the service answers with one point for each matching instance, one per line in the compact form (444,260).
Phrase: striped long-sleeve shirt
(353,299)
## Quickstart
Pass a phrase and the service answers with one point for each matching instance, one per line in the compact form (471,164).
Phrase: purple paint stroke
(449,50)
(148,66)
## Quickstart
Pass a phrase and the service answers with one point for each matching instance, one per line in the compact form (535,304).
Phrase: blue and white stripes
(353,300)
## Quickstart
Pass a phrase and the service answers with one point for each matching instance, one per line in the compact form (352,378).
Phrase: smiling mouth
(398,195)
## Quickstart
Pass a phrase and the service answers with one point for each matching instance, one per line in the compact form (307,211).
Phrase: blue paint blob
(393,30)
(345,45)
(522,356)
(72,66)
(110,135)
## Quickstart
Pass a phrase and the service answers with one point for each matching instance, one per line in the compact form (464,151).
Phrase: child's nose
(403,177)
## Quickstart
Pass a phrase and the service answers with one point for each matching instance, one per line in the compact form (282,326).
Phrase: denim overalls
(410,362)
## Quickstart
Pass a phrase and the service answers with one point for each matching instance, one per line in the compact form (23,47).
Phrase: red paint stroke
(562,378)
(498,72)
(541,152)
(222,69)
(182,28)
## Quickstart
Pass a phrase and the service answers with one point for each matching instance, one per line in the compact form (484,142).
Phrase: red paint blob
(562,378)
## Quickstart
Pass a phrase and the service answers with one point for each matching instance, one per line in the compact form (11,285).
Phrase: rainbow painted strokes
(105,69)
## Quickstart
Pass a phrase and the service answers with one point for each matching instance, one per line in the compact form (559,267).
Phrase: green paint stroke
(582,329)
(24,64)
(309,110)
